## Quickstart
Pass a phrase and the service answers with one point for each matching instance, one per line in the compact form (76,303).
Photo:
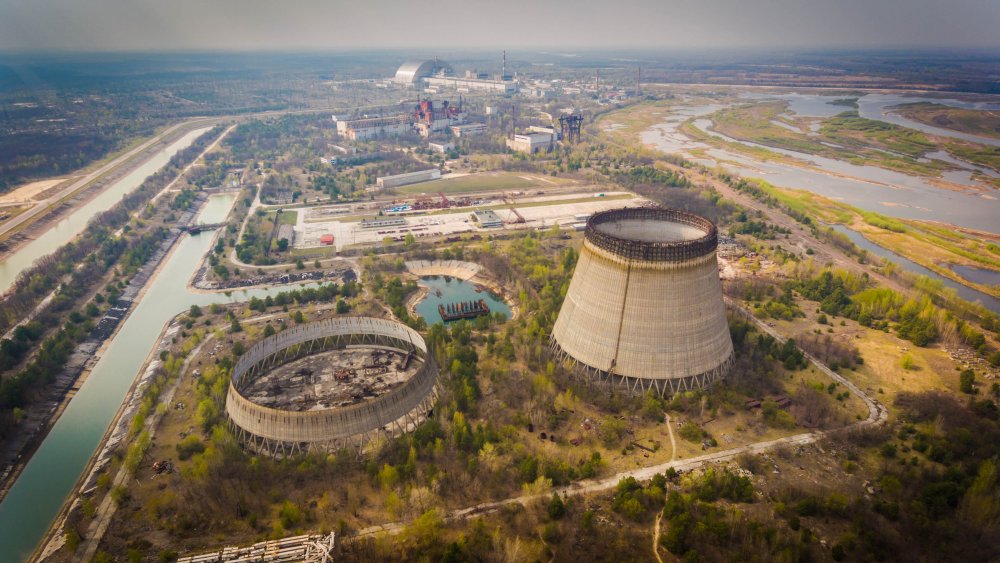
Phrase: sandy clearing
(27,192)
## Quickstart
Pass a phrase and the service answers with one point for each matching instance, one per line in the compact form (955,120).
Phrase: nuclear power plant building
(644,308)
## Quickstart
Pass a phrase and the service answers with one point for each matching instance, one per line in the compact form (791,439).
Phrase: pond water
(444,290)
(965,292)
(977,275)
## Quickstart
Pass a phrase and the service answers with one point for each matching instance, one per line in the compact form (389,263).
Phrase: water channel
(74,223)
(967,293)
(976,275)
(50,475)
(443,290)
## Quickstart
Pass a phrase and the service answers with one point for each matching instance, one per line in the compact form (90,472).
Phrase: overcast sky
(96,25)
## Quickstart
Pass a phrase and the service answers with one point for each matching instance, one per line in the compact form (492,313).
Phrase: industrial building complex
(644,309)
(427,117)
(329,385)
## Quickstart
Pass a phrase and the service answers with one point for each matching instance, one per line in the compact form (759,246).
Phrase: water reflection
(49,477)
(74,223)
(443,290)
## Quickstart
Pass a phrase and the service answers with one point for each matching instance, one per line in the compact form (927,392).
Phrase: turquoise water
(453,290)
(34,500)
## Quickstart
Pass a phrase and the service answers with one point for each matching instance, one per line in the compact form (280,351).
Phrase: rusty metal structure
(463,310)
(570,126)
(644,309)
(278,432)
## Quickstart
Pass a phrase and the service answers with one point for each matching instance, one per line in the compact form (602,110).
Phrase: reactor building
(436,75)
(644,309)
(330,385)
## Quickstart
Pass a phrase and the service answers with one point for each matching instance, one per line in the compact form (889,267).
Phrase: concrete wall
(272,429)
(643,319)
(454,268)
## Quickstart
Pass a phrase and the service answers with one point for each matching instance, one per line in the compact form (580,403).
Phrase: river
(73,224)
(49,477)
(965,292)
(869,187)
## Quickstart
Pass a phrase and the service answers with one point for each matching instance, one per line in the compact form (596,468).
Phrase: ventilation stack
(644,309)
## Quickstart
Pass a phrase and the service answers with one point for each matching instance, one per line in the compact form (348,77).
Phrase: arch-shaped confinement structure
(279,432)
(413,71)
(644,308)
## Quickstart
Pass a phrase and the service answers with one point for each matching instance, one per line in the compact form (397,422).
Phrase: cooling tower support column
(644,309)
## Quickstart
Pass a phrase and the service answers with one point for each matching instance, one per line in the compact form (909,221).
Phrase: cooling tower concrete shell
(644,308)
(281,432)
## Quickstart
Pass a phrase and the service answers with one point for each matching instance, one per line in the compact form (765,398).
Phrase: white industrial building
(487,219)
(532,142)
(414,71)
(468,129)
(462,84)
(380,222)
(360,129)
(388,182)
(441,147)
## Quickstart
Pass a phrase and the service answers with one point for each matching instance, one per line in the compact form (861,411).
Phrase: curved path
(877,415)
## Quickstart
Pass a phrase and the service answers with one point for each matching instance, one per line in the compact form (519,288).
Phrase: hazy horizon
(315,26)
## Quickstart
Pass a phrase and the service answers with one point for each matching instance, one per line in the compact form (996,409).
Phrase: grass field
(288,217)
(483,183)
(882,374)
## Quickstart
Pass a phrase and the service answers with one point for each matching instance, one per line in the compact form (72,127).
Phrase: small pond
(446,290)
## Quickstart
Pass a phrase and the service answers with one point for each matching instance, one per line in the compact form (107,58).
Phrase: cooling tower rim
(655,251)
(359,331)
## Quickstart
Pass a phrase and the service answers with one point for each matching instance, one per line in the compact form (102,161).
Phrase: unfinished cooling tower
(644,308)
(332,384)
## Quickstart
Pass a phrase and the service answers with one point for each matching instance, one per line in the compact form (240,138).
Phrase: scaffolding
(307,549)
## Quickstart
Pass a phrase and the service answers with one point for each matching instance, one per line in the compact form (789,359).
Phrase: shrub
(907,363)
(966,381)
(189,446)
(691,432)
(290,515)
(556,507)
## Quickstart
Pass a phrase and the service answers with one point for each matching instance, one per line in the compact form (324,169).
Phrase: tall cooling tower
(644,308)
